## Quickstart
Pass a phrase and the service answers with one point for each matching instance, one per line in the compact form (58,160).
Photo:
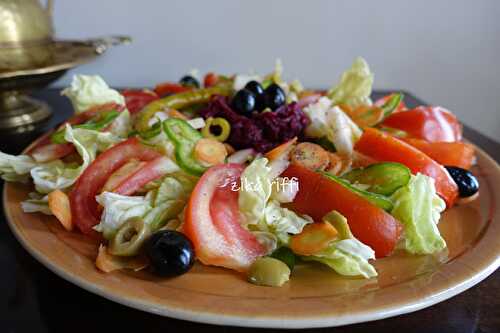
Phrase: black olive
(258,92)
(189,81)
(274,97)
(243,102)
(170,253)
(467,183)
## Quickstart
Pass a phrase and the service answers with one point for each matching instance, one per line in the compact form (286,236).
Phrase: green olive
(268,271)
(129,238)
(222,124)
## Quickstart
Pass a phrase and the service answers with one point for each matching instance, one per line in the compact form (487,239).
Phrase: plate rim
(404,307)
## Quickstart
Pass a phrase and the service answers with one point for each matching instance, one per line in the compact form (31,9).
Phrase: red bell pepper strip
(319,195)
(386,148)
(459,154)
(430,123)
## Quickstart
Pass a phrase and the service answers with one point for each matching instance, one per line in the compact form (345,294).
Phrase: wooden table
(33,299)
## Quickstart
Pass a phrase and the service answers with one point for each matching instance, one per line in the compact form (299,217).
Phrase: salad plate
(315,296)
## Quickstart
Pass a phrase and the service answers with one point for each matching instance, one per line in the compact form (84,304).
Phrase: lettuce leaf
(255,190)
(347,255)
(355,85)
(418,208)
(333,124)
(86,91)
(157,207)
(282,222)
(16,168)
(118,209)
(262,214)
(54,175)
(36,204)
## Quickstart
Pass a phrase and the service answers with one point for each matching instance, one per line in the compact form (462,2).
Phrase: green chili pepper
(383,178)
(394,131)
(392,103)
(376,199)
(178,101)
(104,119)
(152,132)
(223,124)
(184,138)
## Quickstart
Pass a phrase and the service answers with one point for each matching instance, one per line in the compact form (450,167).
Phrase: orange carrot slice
(314,238)
(59,206)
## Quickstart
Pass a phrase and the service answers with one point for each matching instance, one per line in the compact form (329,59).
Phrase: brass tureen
(31,58)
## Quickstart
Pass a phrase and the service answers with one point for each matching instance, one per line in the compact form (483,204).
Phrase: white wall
(446,52)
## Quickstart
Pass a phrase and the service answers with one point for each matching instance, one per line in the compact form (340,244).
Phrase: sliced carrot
(282,150)
(310,156)
(59,206)
(107,262)
(338,164)
(314,238)
(121,174)
(210,151)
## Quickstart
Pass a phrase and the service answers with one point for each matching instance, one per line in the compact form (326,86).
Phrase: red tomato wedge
(213,221)
(386,148)
(150,171)
(168,88)
(138,99)
(84,208)
(381,101)
(52,151)
(210,80)
(121,174)
(318,196)
(430,123)
(459,154)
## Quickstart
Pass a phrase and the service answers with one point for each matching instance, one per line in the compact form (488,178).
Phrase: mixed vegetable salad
(248,172)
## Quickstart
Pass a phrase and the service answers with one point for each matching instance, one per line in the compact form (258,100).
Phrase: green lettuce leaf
(330,122)
(255,190)
(16,168)
(157,207)
(355,85)
(347,255)
(36,203)
(54,175)
(418,207)
(86,91)
(118,209)
(262,214)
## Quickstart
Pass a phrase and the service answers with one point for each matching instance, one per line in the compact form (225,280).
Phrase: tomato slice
(51,152)
(168,88)
(84,208)
(152,170)
(386,148)
(213,221)
(430,123)
(137,99)
(459,154)
(318,196)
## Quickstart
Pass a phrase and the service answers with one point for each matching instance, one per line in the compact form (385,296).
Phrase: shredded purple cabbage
(261,131)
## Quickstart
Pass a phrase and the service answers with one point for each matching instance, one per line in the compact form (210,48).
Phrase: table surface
(33,299)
